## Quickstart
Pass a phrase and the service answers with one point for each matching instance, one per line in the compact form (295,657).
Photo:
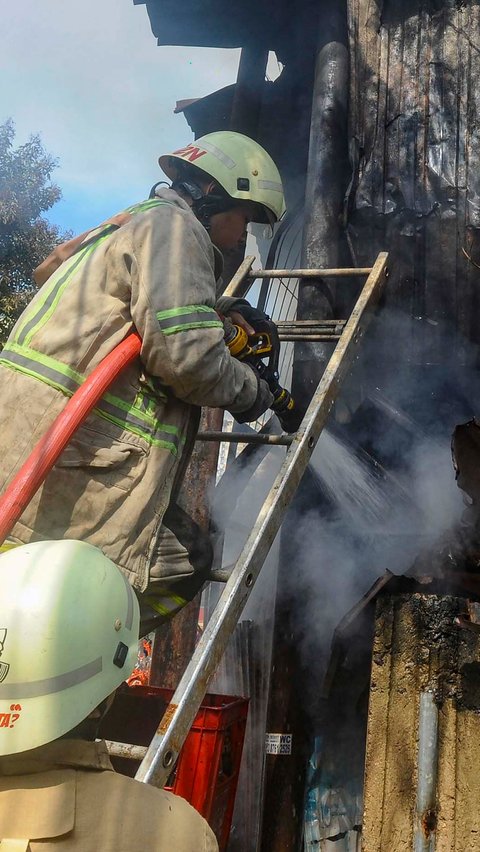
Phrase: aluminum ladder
(160,757)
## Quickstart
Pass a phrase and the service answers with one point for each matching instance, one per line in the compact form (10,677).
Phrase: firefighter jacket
(66,796)
(112,484)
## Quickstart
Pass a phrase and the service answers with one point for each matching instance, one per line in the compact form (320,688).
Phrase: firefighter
(68,631)
(154,268)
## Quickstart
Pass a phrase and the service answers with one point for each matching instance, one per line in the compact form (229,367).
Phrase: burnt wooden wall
(415,147)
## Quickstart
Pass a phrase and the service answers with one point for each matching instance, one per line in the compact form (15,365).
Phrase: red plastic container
(206,773)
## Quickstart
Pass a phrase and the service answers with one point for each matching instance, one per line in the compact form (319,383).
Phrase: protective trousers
(182,564)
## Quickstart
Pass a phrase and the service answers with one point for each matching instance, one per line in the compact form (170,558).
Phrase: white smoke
(379,495)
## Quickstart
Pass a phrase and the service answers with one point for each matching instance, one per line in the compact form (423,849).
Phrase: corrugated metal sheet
(414,131)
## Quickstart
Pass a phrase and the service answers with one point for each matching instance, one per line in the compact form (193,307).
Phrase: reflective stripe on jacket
(113,482)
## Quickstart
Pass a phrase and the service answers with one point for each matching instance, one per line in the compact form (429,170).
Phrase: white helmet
(69,624)
(239,165)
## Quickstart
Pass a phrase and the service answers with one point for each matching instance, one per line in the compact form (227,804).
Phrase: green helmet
(239,165)
(69,625)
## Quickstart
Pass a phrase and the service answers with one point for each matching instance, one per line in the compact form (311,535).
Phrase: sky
(89,77)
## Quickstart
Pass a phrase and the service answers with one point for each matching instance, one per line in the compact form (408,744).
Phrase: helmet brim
(167,165)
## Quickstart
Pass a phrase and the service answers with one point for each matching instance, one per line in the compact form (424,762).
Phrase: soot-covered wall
(415,148)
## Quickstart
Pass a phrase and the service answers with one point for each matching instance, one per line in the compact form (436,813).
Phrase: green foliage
(25,237)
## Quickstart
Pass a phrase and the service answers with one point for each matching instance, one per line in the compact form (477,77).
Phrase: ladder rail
(180,713)
(242,280)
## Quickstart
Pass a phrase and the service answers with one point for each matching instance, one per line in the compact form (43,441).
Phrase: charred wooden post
(327,178)
(247,100)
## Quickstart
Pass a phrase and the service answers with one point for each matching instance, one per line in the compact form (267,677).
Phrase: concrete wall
(418,648)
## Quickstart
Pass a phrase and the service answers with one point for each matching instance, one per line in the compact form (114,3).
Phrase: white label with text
(278,743)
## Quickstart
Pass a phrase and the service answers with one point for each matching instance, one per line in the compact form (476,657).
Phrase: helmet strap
(208,206)
(206,202)
(187,187)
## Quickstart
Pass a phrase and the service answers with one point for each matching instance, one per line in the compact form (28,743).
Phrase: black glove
(290,421)
(249,313)
(263,401)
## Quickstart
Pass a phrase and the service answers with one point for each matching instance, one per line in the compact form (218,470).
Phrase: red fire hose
(44,455)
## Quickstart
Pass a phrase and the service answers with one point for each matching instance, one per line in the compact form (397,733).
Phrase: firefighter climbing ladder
(165,747)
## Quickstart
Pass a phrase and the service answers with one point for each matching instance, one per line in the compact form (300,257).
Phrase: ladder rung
(219,575)
(299,338)
(317,324)
(246,438)
(309,327)
(126,750)
(299,330)
(309,273)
